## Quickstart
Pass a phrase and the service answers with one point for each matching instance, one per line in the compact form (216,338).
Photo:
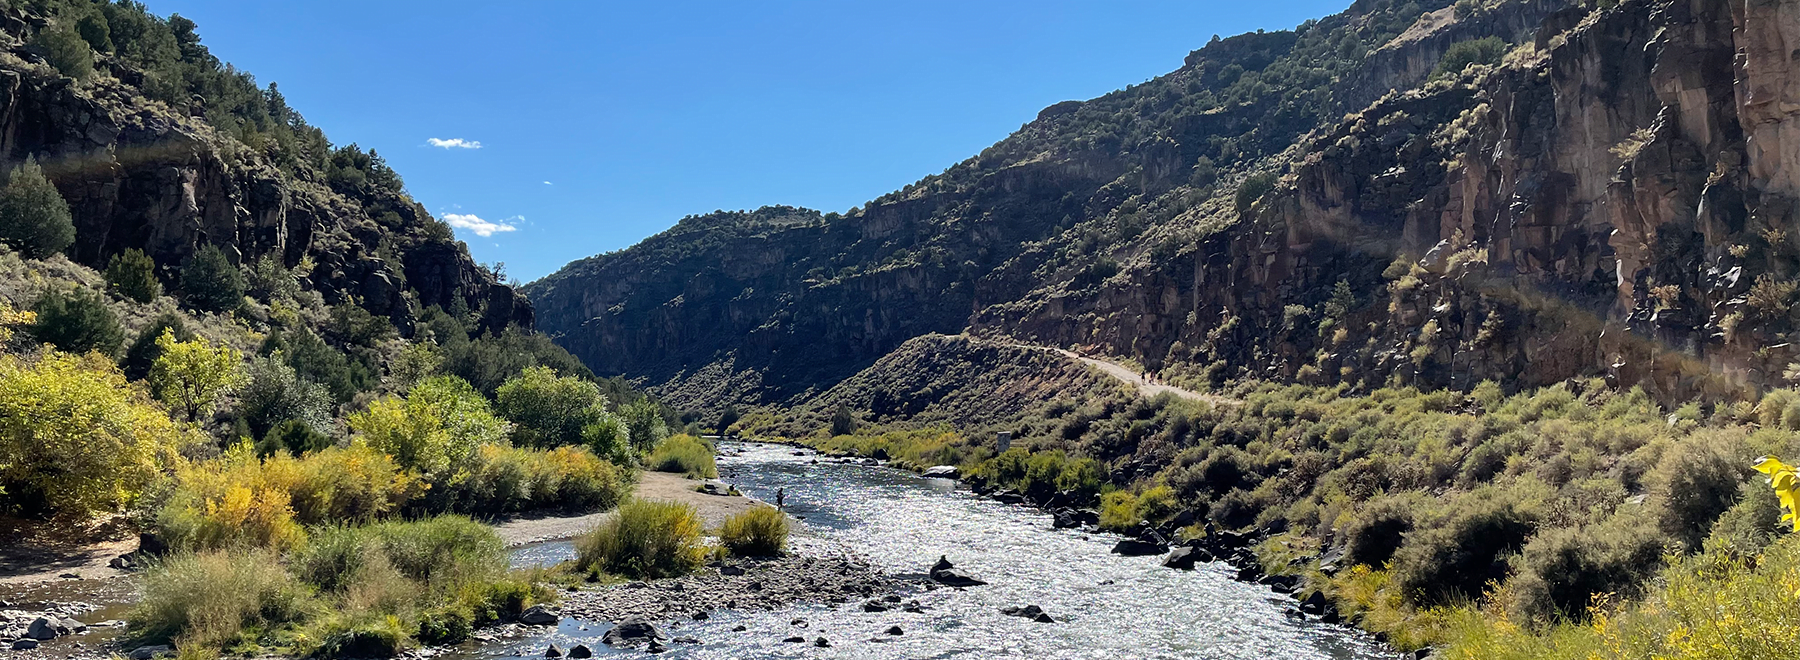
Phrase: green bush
(1252,189)
(275,394)
(293,437)
(1457,555)
(33,216)
(144,351)
(132,275)
(435,430)
(64,49)
(1561,571)
(1749,525)
(314,360)
(212,599)
(1378,530)
(683,454)
(644,540)
(644,422)
(761,531)
(77,321)
(209,281)
(1697,481)
(1463,54)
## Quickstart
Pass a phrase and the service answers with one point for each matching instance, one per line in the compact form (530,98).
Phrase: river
(1106,606)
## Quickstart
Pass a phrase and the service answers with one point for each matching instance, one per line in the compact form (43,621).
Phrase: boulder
(951,577)
(822,643)
(1137,548)
(895,630)
(796,639)
(24,644)
(632,633)
(553,652)
(41,629)
(538,615)
(148,652)
(70,627)
(581,651)
(1184,557)
(875,606)
(1314,603)
(942,472)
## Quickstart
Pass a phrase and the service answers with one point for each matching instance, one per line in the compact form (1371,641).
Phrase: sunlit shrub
(1459,553)
(209,599)
(683,454)
(77,438)
(761,531)
(645,539)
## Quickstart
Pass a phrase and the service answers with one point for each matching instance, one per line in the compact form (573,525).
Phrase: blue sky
(601,123)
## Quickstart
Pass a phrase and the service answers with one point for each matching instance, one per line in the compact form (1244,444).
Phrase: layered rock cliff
(1613,198)
(165,178)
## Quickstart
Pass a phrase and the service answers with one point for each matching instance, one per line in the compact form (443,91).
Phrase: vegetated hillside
(159,146)
(1059,231)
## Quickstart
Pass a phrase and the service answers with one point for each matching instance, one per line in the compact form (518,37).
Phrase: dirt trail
(713,509)
(1145,387)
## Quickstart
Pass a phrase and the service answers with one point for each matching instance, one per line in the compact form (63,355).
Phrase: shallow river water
(1106,606)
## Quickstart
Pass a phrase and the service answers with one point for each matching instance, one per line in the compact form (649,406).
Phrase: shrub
(1696,481)
(1252,189)
(761,531)
(574,478)
(229,501)
(34,219)
(143,351)
(64,49)
(644,539)
(132,275)
(209,281)
(318,362)
(269,280)
(1561,571)
(1750,524)
(191,375)
(1460,553)
(1463,54)
(1378,530)
(210,599)
(275,395)
(353,483)
(77,438)
(77,321)
(488,361)
(435,430)
(684,454)
(547,410)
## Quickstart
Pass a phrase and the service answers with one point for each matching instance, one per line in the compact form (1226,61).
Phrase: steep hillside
(157,145)
(1524,191)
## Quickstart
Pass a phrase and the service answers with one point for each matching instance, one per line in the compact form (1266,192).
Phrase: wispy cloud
(454,143)
(482,228)
(547,183)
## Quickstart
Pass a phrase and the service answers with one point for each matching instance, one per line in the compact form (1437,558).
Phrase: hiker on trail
(780,498)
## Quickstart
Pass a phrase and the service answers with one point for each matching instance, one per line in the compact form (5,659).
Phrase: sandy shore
(713,509)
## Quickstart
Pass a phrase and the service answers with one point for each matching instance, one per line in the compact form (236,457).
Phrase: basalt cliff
(1406,193)
(163,148)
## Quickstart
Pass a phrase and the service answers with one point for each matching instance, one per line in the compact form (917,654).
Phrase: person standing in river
(781,499)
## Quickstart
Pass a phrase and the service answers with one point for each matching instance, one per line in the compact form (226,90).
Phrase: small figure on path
(781,499)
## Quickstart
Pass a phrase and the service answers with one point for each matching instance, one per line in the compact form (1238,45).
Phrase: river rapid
(1105,606)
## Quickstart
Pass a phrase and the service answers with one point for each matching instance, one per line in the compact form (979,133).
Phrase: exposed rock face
(138,175)
(1616,199)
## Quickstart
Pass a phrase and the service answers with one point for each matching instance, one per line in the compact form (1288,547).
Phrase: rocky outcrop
(139,174)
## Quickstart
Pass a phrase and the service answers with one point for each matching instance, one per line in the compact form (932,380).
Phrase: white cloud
(454,143)
(481,227)
(547,183)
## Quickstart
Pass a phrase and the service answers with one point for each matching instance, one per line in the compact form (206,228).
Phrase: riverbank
(658,486)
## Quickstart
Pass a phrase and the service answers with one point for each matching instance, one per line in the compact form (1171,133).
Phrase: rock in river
(1184,557)
(945,573)
(632,633)
(942,472)
(1136,548)
(538,615)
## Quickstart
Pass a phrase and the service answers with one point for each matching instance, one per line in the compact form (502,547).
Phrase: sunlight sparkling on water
(1106,606)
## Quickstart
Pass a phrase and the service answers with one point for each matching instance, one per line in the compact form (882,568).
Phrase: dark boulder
(1184,557)
(1137,548)
(581,651)
(632,633)
(538,615)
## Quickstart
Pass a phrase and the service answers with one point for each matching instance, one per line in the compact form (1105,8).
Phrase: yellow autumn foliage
(76,438)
